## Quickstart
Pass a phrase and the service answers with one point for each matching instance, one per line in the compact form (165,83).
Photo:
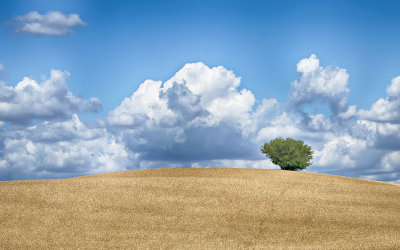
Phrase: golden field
(200,209)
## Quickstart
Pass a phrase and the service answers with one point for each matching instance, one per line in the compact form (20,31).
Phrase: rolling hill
(200,209)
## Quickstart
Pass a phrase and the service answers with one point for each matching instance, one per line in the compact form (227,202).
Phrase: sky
(91,86)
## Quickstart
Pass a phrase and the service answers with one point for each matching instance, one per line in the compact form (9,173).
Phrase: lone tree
(289,154)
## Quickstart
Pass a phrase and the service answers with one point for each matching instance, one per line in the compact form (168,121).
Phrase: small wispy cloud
(52,23)
(2,73)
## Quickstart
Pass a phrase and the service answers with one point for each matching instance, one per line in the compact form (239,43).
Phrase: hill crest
(200,208)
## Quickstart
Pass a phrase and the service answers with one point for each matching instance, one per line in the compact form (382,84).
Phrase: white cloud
(210,83)
(217,89)
(197,94)
(144,105)
(192,116)
(51,23)
(394,89)
(386,136)
(50,99)
(61,149)
(391,162)
(282,125)
(341,151)
(349,113)
(318,83)
(260,118)
(389,169)
(388,109)
(308,65)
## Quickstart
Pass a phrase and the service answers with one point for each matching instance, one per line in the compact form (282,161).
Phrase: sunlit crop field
(200,209)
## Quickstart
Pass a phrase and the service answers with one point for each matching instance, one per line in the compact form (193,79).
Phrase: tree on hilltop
(288,153)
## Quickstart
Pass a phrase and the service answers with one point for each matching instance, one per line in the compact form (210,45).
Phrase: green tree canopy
(288,153)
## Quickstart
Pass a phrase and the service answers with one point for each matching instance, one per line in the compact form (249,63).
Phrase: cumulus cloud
(388,109)
(144,105)
(281,125)
(51,23)
(177,124)
(316,83)
(389,169)
(196,93)
(200,117)
(386,136)
(49,99)
(196,115)
(218,90)
(60,149)
(344,152)
(391,162)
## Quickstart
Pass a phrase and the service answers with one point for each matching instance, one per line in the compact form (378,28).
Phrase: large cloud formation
(52,23)
(198,118)
(199,114)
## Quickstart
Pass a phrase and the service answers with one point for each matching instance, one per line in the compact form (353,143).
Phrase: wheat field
(200,209)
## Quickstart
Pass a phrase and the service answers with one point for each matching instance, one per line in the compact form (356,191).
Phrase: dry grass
(200,209)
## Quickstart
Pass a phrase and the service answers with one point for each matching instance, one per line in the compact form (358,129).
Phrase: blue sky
(114,46)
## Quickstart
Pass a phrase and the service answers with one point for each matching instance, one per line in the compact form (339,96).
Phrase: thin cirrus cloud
(52,23)
(199,118)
